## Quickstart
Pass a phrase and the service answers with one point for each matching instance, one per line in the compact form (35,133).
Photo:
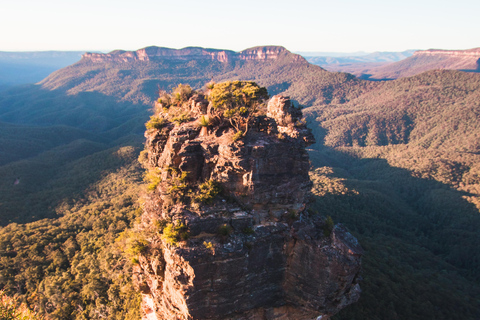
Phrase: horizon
(346,27)
(302,53)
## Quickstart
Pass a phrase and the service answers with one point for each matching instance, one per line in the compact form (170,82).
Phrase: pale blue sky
(299,25)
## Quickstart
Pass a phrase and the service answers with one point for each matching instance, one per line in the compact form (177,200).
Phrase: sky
(298,25)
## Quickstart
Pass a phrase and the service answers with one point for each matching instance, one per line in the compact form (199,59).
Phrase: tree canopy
(237,101)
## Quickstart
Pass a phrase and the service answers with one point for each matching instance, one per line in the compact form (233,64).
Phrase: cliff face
(253,251)
(189,53)
(458,53)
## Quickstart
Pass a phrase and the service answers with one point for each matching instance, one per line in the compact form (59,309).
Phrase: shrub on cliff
(237,101)
(155,123)
(207,191)
(175,233)
(181,93)
(328,227)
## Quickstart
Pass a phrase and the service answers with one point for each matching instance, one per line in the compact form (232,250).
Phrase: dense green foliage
(237,101)
(12,309)
(399,165)
(70,267)
(174,233)
(207,191)
(408,266)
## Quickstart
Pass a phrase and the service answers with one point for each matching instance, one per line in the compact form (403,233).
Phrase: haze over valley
(395,161)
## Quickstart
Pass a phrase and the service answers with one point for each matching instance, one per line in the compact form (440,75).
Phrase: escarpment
(226,225)
(190,53)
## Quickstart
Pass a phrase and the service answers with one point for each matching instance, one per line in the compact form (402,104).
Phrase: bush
(328,227)
(143,158)
(237,102)
(153,178)
(237,136)
(181,93)
(207,191)
(181,118)
(12,309)
(160,224)
(177,185)
(204,121)
(133,243)
(175,233)
(155,123)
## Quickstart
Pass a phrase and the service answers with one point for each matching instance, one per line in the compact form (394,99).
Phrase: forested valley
(397,162)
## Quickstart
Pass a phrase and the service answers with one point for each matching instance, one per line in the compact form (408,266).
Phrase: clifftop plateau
(189,53)
(459,53)
(226,225)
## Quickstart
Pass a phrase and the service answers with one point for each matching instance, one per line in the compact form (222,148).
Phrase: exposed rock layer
(189,53)
(275,259)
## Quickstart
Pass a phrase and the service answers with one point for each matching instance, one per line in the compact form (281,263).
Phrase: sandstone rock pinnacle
(229,232)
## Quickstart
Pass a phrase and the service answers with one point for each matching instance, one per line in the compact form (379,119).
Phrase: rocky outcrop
(189,53)
(254,251)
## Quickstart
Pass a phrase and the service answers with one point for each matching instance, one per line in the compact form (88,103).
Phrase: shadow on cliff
(420,235)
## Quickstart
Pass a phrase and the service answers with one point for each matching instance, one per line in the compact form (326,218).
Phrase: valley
(397,162)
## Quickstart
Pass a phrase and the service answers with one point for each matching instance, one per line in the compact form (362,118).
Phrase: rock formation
(189,53)
(229,232)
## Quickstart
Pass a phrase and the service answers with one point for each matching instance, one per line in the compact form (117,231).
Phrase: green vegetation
(418,235)
(181,118)
(70,267)
(207,191)
(132,243)
(12,309)
(237,136)
(155,123)
(174,233)
(204,121)
(177,186)
(237,101)
(153,178)
(225,230)
(398,165)
(181,94)
(209,245)
(400,162)
(328,227)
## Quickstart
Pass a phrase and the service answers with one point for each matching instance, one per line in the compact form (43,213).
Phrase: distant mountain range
(374,57)
(396,161)
(394,65)
(31,67)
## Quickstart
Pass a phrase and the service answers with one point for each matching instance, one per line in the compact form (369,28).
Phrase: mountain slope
(420,61)
(398,165)
(375,57)
(137,76)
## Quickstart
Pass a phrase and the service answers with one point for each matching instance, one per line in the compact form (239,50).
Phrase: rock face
(189,53)
(254,251)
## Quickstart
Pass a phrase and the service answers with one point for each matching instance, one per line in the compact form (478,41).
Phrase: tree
(237,101)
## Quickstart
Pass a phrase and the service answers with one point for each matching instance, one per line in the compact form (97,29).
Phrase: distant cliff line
(431,52)
(190,53)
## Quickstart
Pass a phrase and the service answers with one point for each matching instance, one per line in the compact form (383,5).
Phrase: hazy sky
(299,25)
